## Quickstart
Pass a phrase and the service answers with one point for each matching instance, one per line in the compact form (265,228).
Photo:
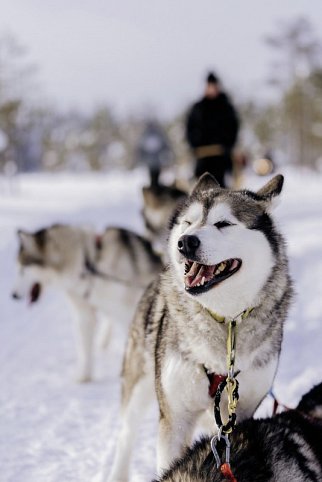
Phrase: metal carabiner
(231,394)
(215,439)
(231,372)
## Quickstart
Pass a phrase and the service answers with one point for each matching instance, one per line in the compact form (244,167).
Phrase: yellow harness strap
(223,319)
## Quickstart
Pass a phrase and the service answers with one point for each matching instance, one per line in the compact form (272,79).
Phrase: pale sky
(140,54)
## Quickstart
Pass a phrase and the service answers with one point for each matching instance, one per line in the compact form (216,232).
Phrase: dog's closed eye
(223,224)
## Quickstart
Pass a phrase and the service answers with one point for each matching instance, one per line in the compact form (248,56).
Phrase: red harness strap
(277,404)
(214,382)
(225,469)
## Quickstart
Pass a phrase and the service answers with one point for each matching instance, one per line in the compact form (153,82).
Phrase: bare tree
(16,93)
(297,55)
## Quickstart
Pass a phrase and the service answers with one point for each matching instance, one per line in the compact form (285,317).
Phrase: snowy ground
(53,430)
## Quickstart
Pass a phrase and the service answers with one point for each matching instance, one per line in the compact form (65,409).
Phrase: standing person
(154,151)
(211,130)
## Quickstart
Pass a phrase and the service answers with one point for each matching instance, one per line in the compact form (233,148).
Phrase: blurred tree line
(35,136)
(290,124)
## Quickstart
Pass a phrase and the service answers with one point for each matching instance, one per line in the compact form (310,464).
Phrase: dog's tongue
(196,273)
(35,293)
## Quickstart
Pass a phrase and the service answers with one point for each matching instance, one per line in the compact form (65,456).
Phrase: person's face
(212,90)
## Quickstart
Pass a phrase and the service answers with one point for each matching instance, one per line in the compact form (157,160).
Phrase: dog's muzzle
(188,245)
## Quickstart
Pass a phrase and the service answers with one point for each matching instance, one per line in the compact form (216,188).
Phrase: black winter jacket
(212,121)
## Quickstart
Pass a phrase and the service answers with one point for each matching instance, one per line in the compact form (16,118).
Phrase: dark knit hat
(212,78)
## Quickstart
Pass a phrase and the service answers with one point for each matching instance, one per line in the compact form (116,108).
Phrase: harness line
(231,385)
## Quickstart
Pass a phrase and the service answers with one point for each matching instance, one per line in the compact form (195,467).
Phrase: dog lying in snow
(285,448)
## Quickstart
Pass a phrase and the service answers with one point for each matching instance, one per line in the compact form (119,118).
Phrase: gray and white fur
(106,274)
(159,203)
(226,255)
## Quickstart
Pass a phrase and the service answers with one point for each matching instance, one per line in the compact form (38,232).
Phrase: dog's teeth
(203,280)
(220,268)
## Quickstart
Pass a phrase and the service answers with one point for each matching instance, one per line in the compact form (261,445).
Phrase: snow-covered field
(54,430)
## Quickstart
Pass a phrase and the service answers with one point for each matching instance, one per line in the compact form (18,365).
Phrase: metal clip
(231,372)
(213,444)
(232,400)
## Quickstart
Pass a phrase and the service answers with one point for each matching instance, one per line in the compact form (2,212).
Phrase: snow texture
(55,430)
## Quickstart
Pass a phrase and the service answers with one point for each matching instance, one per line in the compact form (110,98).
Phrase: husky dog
(159,203)
(285,448)
(106,273)
(227,257)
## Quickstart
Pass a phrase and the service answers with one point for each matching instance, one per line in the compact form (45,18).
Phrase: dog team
(211,259)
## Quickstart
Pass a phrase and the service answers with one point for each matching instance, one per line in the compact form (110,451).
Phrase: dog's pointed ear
(272,189)
(204,183)
(149,196)
(27,241)
(145,192)
(24,236)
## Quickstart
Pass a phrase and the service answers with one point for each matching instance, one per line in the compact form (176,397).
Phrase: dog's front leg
(175,433)
(182,391)
(85,327)
(134,408)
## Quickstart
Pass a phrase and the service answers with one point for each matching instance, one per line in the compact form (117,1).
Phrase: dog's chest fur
(190,330)
(185,341)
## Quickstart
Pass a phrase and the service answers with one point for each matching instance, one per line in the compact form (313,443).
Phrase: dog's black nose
(15,296)
(188,244)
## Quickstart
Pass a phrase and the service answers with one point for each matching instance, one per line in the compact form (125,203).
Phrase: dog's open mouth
(199,278)
(34,292)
